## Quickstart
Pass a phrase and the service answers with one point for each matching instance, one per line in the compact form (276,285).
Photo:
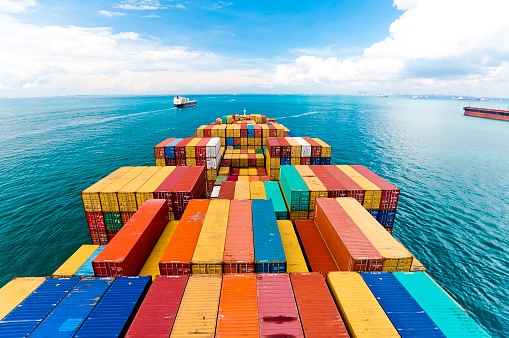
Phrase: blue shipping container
(86,269)
(325,161)
(25,317)
(229,141)
(373,213)
(67,317)
(268,247)
(250,130)
(113,314)
(450,318)
(386,218)
(315,160)
(406,315)
(169,149)
(290,134)
(286,161)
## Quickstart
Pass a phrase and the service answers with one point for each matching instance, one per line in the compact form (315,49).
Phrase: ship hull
(493,114)
(185,105)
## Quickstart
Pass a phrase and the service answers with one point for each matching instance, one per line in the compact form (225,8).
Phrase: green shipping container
(112,221)
(273,192)
(295,190)
(450,318)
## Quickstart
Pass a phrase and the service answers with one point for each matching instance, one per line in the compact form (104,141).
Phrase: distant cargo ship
(495,114)
(183,102)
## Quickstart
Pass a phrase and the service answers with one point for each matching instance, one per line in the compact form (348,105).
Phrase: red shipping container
(226,163)
(111,234)
(286,148)
(165,189)
(389,230)
(201,162)
(235,171)
(159,149)
(171,161)
(180,162)
(317,253)
(200,149)
(232,179)
(191,186)
(94,237)
(251,160)
(348,244)
(261,172)
(210,185)
(208,130)
(264,119)
(238,254)
(352,189)
(236,141)
(318,312)
(272,131)
(257,130)
(95,221)
(273,147)
(176,259)
(227,190)
(390,194)
(158,311)
(277,318)
(128,250)
(331,184)
(125,216)
(243,130)
(264,178)
(305,160)
(180,148)
(243,151)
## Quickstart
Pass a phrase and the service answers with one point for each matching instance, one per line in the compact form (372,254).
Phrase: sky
(170,47)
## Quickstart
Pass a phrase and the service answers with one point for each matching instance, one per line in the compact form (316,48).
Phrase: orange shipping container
(176,259)
(239,248)
(238,307)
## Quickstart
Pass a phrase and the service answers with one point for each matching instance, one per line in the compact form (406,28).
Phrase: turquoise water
(452,171)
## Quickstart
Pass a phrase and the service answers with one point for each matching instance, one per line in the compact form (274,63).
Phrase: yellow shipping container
(274,174)
(275,162)
(396,256)
(251,151)
(236,130)
(211,174)
(305,171)
(326,149)
(372,193)
(257,189)
(73,263)
(191,147)
(242,190)
(108,195)
(199,131)
(229,130)
(252,172)
(160,162)
(260,161)
(191,162)
(362,314)
(265,131)
(221,129)
(316,190)
(127,195)
(243,172)
(235,160)
(224,171)
(151,266)
(251,141)
(295,261)
(214,132)
(197,314)
(146,191)
(243,141)
(243,178)
(90,196)
(244,160)
(296,148)
(417,266)
(14,292)
(208,254)
(295,161)
(280,130)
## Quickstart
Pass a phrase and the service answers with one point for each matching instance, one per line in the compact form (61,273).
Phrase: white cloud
(111,14)
(16,6)
(431,43)
(126,36)
(180,6)
(139,5)
(221,4)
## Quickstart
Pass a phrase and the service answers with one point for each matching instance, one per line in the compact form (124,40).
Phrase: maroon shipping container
(251,160)
(201,150)
(352,189)
(180,148)
(165,189)
(331,184)
(257,130)
(277,311)
(318,312)
(232,179)
(207,131)
(390,194)
(111,234)
(158,311)
(315,249)
(170,161)
(243,130)
(101,239)
(235,172)
(126,216)
(316,148)
(226,163)
(389,230)
(286,148)
(272,131)
(348,244)
(210,185)
(227,190)
(180,162)
(129,249)
(201,161)
(159,149)
(192,185)
(95,221)
(236,141)
(305,160)
(273,147)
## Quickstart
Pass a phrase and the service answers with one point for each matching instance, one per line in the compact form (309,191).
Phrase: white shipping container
(215,191)
(214,162)
(305,147)
(213,147)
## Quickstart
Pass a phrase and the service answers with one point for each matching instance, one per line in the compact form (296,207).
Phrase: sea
(453,172)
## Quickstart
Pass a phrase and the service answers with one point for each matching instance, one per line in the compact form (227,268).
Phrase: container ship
(243,229)
(495,114)
(183,102)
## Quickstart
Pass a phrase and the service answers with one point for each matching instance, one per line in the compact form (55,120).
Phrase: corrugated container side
(176,259)
(277,318)
(127,194)
(197,314)
(26,316)
(305,171)
(108,195)
(334,188)
(295,190)
(316,190)
(396,256)
(295,261)
(169,149)
(273,192)
(209,252)
(257,190)
(405,313)
(242,190)
(157,313)
(450,318)
(151,266)
(66,318)
(269,251)
(305,147)
(390,194)
(115,311)
(239,247)
(317,253)
(146,191)
(349,246)
(227,190)
(15,291)
(234,320)
(191,186)
(318,312)
(90,196)
(372,193)
(362,314)
(352,189)
(73,263)
(128,250)
(159,148)
(86,269)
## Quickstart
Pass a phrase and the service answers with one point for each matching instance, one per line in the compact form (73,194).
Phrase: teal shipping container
(86,269)
(450,318)
(273,192)
(294,188)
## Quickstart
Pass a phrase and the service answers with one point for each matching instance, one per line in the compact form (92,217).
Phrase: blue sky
(129,47)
